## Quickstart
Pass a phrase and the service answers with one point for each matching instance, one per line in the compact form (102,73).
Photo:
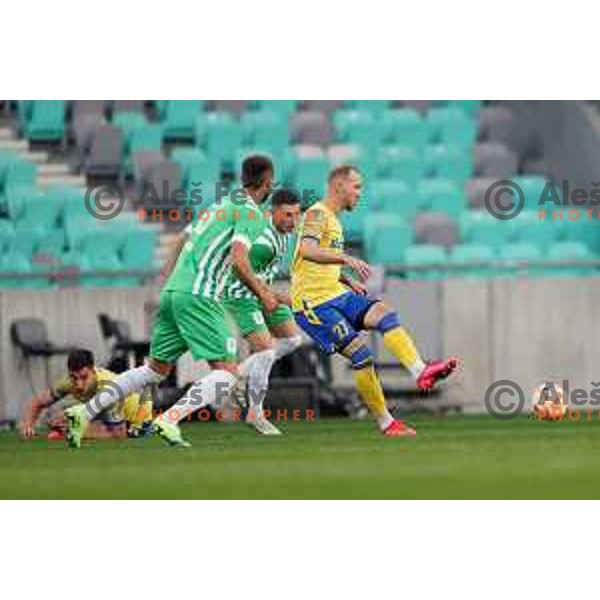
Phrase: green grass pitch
(458,457)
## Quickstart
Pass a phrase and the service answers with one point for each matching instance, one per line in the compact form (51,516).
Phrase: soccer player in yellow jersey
(332,309)
(132,418)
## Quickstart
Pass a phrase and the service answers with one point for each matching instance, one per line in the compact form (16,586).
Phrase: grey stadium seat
(494,159)
(496,124)
(476,189)
(435,228)
(234,107)
(311,127)
(88,108)
(321,105)
(82,127)
(128,106)
(143,162)
(421,106)
(103,151)
(165,176)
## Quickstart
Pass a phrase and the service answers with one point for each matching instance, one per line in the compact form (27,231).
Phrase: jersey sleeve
(314,225)
(249,226)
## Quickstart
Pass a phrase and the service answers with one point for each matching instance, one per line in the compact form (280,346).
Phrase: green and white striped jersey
(204,265)
(266,255)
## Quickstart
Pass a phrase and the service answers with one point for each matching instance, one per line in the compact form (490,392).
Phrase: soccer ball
(548,402)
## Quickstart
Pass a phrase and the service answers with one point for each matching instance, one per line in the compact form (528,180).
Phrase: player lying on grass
(131,418)
(333,311)
(270,336)
(191,314)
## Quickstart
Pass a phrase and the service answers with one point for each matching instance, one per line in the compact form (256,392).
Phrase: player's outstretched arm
(35,408)
(243,270)
(309,250)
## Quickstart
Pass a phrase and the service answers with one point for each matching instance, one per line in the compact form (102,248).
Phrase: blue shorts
(334,324)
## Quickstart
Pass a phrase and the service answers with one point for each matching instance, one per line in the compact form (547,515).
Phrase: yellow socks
(369,388)
(401,345)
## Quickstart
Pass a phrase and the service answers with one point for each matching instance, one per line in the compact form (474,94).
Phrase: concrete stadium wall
(523,330)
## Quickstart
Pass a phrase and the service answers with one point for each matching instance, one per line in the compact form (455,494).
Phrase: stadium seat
(478,226)
(26,238)
(179,117)
(45,120)
(220,135)
(386,238)
(451,126)
(326,106)
(405,127)
(392,197)
(423,255)
(528,227)
(450,162)
(469,107)
(311,127)
(266,132)
(399,163)
(138,249)
(310,173)
(128,122)
(520,252)
(494,159)
(355,221)
(441,195)
(19,174)
(14,262)
(533,187)
(357,127)
(232,107)
(129,106)
(375,107)
(100,260)
(7,233)
(282,108)
(567,251)
(52,244)
(103,151)
(435,228)
(465,253)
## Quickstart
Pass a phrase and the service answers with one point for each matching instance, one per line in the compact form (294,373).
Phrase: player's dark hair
(254,169)
(342,171)
(78,359)
(281,197)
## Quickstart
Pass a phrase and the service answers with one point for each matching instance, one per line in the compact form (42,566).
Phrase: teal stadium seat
(266,132)
(128,122)
(310,173)
(375,107)
(464,253)
(220,135)
(26,239)
(423,255)
(283,108)
(7,233)
(533,189)
(450,162)
(386,238)
(469,107)
(567,251)
(442,195)
(52,244)
(45,120)
(14,262)
(358,127)
(452,126)
(404,126)
(138,249)
(179,117)
(392,197)
(528,227)
(142,139)
(197,167)
(478,227)
(400,163)
(102,261)
(522,251)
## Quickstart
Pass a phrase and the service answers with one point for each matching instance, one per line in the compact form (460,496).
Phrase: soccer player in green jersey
(191,314)
(270,336)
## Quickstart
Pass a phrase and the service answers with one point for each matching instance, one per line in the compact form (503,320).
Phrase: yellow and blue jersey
(313,283)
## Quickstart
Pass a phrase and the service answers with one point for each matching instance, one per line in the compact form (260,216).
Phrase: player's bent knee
(388,322)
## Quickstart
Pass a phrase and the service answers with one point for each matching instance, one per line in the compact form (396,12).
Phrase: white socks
(385,420)
(129,382)
(285,346)
(416,368)
(258,369)
(215,388)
